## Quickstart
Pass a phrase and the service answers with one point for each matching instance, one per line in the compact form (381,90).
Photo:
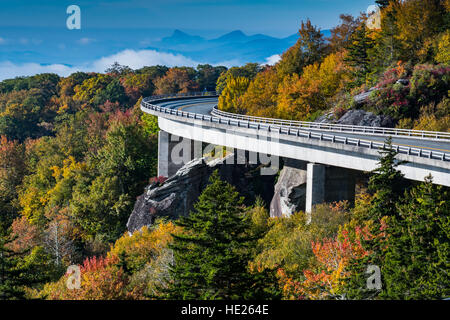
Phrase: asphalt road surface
(205,105)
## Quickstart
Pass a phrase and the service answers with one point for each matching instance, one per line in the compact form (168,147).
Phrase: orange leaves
(260,98)
(324,278)
(174,81)
(101,279)
(104,278)
(300,96)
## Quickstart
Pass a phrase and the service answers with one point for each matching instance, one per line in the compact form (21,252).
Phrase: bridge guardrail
(337,127)
(288,130)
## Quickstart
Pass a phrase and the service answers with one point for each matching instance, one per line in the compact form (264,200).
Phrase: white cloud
(10,70)
(273,59)
(138,59)
(85,41)
(133,59)
(2,40)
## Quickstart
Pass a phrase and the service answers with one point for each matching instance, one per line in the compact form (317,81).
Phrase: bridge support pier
(174,152)
(328,184)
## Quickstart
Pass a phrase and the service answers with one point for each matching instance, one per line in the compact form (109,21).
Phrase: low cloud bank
(132,58)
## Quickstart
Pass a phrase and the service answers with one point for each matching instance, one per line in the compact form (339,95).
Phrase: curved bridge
(195,118)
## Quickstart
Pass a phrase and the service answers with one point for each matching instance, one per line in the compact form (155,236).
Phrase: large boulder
(358,117)
(290,192)
(177,195)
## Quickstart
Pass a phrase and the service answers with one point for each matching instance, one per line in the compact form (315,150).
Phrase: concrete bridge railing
(297,128)
(330,160)
(406,133)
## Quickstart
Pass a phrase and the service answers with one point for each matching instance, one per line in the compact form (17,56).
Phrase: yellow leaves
(260,98)
(229,99)
(299,96)
(144,245)
(70,166)
(443,54)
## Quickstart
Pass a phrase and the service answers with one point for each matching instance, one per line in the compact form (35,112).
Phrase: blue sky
(278,18)
(34,31)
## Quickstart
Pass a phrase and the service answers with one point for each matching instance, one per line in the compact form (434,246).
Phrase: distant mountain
(232,46)
(181,38)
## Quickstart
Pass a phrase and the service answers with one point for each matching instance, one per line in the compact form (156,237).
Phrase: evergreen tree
(387,183)
(358,52)
(416,262)
(211,256)
(13,273)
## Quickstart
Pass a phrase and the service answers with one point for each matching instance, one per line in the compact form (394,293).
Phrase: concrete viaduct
(331,154)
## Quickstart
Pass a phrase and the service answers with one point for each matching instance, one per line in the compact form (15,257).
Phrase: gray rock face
(362,98)
(177,195)
(290,192)
(364,118)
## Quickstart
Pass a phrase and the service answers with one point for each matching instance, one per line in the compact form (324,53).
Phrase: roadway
(205,105)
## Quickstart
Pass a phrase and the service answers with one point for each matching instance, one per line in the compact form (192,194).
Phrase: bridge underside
(324,184)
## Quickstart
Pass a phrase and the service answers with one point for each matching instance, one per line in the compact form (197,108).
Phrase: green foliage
(249,71)
(287,244)
(207,76)
(416,258)
(358,52)
(211,256)
(387,183)
(16,273)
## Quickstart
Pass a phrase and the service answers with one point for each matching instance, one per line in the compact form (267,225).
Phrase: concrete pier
(174,152)
(328,184)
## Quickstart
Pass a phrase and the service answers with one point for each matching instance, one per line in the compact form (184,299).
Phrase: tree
(310,48)
(341,34)
(117,69)
(443,53)
(230,98)
(176,80)
(211,256)
(13,275)
(416,259)
(312,43)
(418,21)
(387,183)
(249,71)
(260,97)
(12,171)
(301,97)
(207,76)
(358,52)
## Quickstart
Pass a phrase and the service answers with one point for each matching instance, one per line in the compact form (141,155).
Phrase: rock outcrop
(290,193)
(177,195)
(363,97)
(360,117)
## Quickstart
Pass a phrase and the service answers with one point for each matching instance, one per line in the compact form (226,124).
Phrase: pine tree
(387,183)
(13,274)
(211,256)
(416,262)
(358,52)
